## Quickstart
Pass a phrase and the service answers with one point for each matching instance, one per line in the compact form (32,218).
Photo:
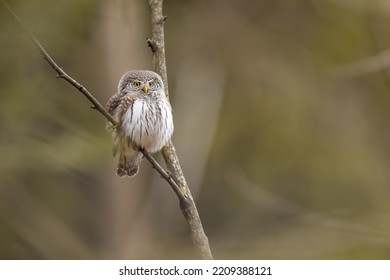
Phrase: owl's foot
(139,149)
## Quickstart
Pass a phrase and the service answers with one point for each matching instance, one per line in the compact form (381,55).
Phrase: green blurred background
(281,125)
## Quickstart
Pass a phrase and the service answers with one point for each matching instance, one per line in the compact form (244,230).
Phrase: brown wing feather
(117,107)
(113,103)
(126,102)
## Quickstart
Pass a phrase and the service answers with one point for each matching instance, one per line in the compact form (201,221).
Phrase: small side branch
(171,181)
(151,44)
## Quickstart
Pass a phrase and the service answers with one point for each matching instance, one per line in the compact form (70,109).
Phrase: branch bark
(187,204)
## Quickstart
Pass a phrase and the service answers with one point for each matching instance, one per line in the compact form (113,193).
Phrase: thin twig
(95,103)
(151,44)
(61,73)
(171,181)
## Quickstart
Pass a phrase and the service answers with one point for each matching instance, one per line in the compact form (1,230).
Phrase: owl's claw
(138,149)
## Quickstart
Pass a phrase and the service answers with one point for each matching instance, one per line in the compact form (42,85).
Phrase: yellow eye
(136,84)
(151,84)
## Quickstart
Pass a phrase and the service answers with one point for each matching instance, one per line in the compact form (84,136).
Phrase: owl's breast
(148,124)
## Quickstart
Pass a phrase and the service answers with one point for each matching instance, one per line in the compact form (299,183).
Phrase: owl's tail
(128,164)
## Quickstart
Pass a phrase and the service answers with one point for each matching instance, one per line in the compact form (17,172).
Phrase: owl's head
(141,81)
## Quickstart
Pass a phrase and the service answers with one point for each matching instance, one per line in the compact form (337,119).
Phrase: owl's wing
(122,105)
(125,102)
(113,103)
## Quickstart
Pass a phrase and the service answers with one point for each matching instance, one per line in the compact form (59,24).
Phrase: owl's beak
(145,89)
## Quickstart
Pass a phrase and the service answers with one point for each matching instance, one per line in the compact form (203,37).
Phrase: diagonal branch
(171,181)
(95,103)
(61,73)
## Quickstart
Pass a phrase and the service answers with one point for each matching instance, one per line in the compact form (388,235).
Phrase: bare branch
(95,103)
(61,73)
(151,44)
(187,204)
(171,181)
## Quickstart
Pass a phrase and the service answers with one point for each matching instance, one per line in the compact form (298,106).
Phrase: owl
(144,117)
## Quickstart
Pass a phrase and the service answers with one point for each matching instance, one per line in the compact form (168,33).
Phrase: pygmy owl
(144,115)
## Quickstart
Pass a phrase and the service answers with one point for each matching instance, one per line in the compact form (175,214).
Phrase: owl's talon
(138,149)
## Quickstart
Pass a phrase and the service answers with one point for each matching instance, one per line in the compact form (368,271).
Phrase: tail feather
(128,165)
(123,170)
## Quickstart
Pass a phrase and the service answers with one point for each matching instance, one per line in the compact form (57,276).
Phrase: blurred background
(281,126)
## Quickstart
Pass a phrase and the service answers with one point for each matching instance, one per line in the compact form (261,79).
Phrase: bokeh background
(281,113)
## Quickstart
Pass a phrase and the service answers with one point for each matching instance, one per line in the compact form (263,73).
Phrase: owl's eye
(136,84)
(151,84)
